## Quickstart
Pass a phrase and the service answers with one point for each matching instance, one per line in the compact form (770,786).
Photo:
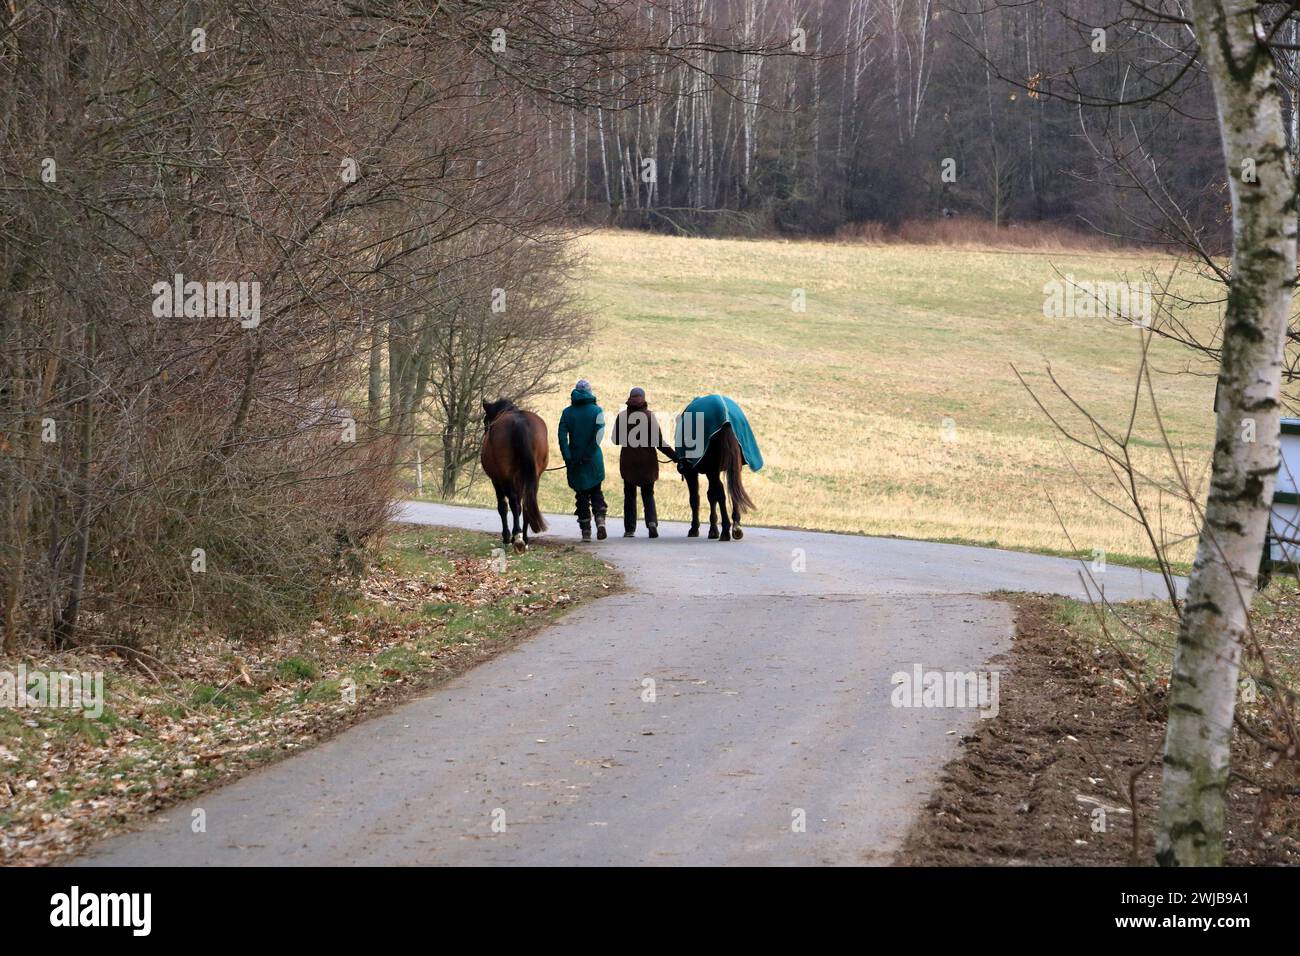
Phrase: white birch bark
(1202,691)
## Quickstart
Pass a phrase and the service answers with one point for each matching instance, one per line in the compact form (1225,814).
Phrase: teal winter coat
(581,428)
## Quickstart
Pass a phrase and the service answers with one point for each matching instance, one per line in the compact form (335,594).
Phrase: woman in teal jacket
(581,427)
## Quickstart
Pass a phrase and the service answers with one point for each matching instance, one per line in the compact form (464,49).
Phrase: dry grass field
(849,398)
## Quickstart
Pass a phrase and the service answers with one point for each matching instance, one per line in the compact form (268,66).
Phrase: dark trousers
(629,504)
(589,501)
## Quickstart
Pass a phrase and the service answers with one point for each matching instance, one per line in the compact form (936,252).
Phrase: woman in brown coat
(637,430)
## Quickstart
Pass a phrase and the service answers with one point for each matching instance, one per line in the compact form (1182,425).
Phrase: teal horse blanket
(702,419)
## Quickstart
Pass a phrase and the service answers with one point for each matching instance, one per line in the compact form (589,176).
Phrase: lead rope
(487,428)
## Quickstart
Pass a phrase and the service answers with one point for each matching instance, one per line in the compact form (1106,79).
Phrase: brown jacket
(637,430)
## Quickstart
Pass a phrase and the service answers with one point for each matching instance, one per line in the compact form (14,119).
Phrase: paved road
(771,707)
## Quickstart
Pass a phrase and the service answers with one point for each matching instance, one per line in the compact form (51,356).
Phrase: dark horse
(723,454)
(514,457)
(713,436)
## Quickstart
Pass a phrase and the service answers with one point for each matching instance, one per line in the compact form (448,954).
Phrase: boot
(653,528)
(601,533)
(586,529)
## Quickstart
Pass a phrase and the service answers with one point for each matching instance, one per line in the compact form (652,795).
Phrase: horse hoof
(693,533)
(713,534)
(737,533)
(520,544)
(726,534)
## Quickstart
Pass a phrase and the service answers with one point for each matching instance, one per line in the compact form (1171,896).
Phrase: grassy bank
(202,710)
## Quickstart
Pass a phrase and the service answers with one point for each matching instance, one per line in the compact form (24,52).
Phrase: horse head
(492,409)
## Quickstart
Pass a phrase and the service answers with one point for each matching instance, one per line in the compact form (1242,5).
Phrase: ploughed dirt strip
(1055,777)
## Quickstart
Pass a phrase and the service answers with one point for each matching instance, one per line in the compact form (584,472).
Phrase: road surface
(769,738)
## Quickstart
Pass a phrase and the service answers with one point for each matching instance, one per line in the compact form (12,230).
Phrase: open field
(849,398)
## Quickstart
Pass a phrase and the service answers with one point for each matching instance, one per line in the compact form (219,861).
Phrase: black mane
(492,409)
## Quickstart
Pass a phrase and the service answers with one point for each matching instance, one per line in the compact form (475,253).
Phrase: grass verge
(199,712)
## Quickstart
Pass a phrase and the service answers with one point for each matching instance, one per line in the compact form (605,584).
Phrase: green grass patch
(227,698)
(297,669)
(1146,633)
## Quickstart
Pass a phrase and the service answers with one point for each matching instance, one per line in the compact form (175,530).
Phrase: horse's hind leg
(523,519)
(693,493)
(501,510)
(718,502)
(722,509)
(516,535)
(735,521)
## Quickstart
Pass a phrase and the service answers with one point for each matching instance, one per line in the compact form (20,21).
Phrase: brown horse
(514,456)
(723,454)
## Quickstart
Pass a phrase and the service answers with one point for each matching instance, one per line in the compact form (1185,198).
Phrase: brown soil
(1070,727)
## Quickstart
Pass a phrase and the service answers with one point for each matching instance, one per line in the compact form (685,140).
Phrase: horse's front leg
(693,493)
(501,510)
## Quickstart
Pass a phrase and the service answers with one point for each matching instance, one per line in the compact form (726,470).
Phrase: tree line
(241,249)
(902,110)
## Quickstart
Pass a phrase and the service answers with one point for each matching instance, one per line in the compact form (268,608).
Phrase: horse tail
(732,461)
(532,513)
(526,477)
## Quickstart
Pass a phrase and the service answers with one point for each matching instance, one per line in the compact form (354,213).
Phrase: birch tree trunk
(1202,689)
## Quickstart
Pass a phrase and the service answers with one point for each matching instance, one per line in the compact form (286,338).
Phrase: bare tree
(1203,687)
(164,457)
(1233,44)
